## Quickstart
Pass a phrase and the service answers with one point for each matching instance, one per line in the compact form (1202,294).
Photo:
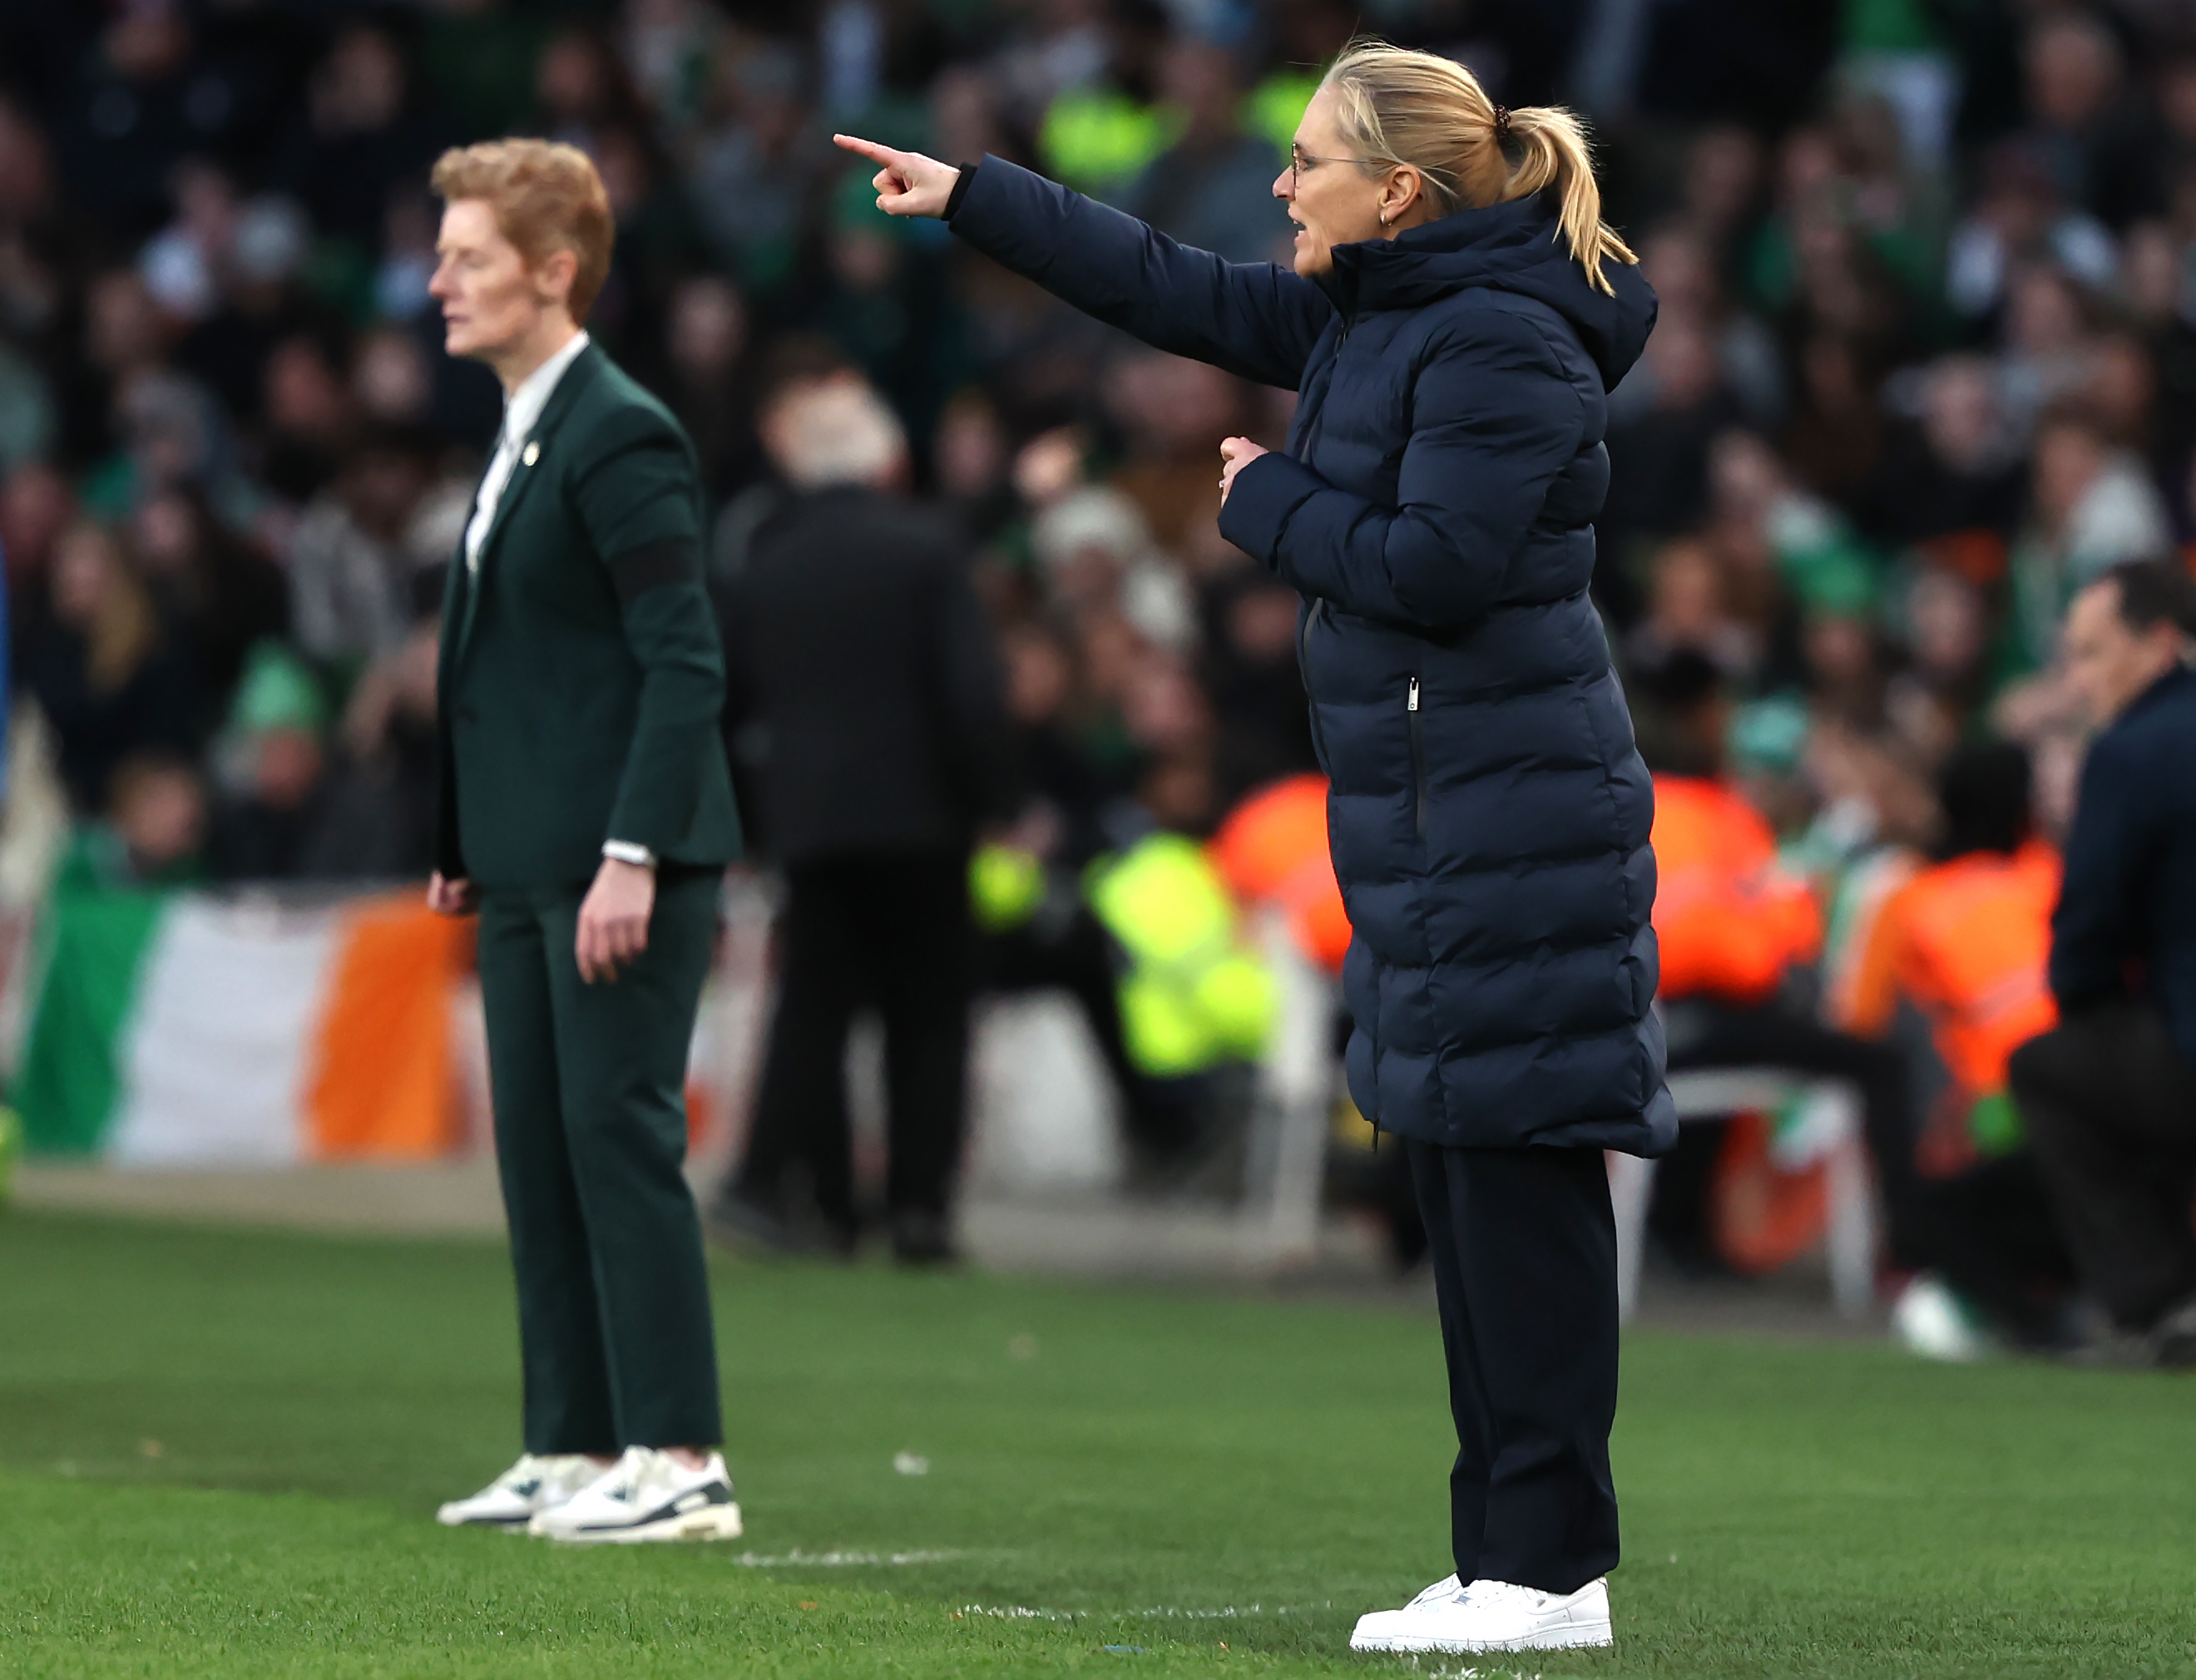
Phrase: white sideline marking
(841,1560)
(1155,1612)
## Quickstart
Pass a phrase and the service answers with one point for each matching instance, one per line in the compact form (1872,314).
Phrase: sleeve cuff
(960,191)
(629,852)
(1264,496)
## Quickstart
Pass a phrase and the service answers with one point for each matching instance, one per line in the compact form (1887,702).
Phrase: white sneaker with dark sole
(529,1487)
(648,1495)
(1489,1616)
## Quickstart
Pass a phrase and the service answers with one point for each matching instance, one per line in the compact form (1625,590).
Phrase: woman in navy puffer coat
(1456,317)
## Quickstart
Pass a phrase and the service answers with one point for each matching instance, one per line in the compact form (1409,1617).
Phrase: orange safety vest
(1729,921)
(1968,942)
(1273,849)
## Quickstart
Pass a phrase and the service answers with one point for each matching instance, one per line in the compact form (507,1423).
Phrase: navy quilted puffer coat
(1488,812)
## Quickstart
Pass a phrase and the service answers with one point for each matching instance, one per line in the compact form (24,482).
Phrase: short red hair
(547,197)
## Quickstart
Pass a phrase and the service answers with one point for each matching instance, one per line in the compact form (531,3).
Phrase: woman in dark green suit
(587,817)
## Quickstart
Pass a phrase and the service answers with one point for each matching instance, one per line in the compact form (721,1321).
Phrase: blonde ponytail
(1395,105)
(1555,154)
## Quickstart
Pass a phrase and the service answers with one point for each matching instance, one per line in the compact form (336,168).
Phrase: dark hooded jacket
(1488,812)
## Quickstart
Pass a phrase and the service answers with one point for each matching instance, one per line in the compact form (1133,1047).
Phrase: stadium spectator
(153,833)
(2022,219)
(2109,1096)
(864,699)
(2088,127)
(367,136)
(706,371)
(1664,420)
(1687,613)
(352,588)
(110,677)
(1952,473)
(37,508)
(1964,943)
(217,593)
(1733,926)
(1167,409)
(1038,907)
(1209,188)
(383,783)
(1680,261)
(270,828)
(2092,507)
(1249,669)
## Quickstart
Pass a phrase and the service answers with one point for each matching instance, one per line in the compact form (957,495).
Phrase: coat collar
(584,370)
(1431,261)
(2181,680)
(1516,247)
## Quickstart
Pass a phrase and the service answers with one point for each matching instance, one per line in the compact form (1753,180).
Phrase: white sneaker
(523,1493)
(1929,1319)
(648,1495)
(1489,1616)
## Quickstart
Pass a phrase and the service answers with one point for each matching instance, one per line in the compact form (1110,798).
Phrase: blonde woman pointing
(1454,318)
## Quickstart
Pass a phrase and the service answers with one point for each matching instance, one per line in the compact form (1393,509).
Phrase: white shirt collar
(522,412)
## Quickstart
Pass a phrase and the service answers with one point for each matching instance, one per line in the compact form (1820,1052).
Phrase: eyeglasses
(1299,161)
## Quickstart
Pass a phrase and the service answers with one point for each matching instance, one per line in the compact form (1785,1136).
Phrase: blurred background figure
(2109,1094)
(1962,942)
(865,709)
(106,672)
(153,833)
(272,823)
(1208,188)
(1734,926)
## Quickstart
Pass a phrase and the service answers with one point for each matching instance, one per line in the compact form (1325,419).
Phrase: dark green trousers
(590,1139)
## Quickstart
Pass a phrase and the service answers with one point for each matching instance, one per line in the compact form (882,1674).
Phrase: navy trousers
(1524,1247)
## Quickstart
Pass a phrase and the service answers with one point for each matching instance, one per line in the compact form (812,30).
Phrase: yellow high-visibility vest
(1194,995)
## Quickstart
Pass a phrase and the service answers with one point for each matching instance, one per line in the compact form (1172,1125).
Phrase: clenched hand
(1235,454)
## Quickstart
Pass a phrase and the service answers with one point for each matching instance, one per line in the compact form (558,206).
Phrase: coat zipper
(1417,758)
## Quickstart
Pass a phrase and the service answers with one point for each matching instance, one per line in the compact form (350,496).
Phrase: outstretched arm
(1494,422)
(1258,319)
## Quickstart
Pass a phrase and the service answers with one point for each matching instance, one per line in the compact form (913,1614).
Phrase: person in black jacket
(1454,316)
(2109,1096)
(865,704)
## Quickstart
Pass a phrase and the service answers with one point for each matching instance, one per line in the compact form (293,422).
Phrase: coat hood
(1516,247)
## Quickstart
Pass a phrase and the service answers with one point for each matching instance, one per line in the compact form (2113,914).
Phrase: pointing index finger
(868,148)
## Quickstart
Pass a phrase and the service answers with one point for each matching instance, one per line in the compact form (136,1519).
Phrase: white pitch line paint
(842,1559)
(1155,1613)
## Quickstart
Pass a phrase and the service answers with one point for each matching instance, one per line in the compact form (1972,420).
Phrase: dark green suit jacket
(582,676)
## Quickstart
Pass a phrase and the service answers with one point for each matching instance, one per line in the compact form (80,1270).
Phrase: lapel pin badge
(532,454)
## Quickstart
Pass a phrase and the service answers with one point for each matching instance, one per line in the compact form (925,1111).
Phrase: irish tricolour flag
(181,1028)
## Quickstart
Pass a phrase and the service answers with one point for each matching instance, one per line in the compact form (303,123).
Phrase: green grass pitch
(219,1453)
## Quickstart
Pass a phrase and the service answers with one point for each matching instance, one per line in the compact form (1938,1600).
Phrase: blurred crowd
(1925,365)
(1926,358)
